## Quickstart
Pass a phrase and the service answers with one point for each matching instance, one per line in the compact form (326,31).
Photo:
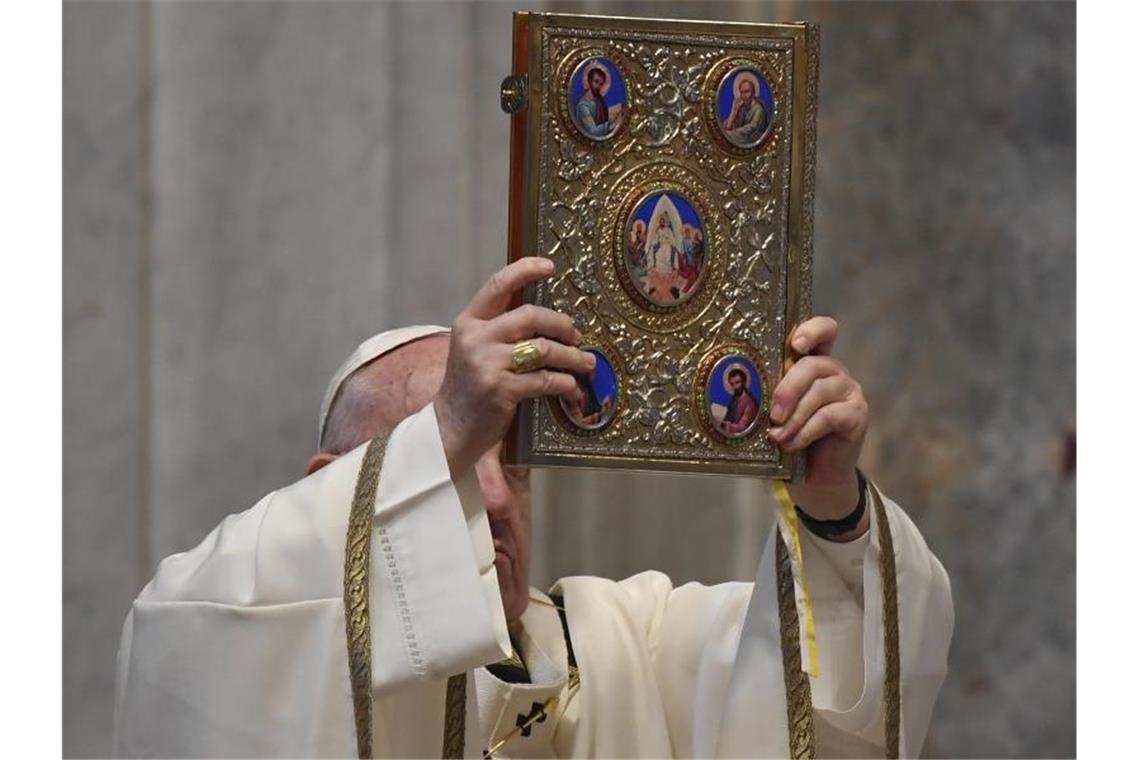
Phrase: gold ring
(525,356)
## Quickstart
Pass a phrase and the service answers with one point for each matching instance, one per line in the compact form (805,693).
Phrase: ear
(318,461)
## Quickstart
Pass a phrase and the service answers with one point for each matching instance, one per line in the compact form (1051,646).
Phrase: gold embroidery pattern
(357,551)
(891,694)
(797,687)
(455,717)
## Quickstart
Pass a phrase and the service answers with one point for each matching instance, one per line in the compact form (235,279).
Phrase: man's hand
(818,406)
(479,393)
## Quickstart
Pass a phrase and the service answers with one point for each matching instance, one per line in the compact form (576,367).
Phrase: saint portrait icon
(744,107)
(597,98)
(665,253)
(735,396)
(594,404)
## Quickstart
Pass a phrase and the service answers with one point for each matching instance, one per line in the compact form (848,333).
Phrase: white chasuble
(239,646)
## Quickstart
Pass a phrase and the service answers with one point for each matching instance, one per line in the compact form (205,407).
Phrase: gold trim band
(797,554)
(892,697)
(455,717)
(797,687)
(357,551)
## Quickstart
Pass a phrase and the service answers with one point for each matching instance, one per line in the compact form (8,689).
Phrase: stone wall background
(252,188)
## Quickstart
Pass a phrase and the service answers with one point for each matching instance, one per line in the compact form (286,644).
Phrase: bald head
(379,395)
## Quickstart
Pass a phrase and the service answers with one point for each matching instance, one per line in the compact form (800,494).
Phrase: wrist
(458,458)
(830,500)
(847,527)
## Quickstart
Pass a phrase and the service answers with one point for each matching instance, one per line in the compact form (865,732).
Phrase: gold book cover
(667,168)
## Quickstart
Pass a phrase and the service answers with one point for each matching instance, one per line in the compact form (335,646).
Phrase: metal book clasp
(512,93)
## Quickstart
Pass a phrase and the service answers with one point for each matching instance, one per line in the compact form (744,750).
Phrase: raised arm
(238,647)
(706,666)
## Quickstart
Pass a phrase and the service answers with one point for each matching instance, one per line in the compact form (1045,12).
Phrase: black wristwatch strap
(833,528)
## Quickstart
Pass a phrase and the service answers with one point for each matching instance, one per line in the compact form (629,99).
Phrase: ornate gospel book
(667,169)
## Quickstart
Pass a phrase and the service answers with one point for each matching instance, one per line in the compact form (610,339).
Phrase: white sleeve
(845,557)
(433,564)
(848,695)
(237,647)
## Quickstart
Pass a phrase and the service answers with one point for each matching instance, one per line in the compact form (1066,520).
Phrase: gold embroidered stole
(455,717)
(797,685)
(892,697)
(357,552)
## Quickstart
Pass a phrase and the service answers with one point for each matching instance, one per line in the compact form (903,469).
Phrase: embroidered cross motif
(526,721)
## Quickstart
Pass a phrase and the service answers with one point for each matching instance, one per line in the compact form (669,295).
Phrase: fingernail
(548,265)
(777,413)
(590,358)
(775,433)
(800,343)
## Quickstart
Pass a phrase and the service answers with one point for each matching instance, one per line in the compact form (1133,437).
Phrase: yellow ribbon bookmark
(793,530)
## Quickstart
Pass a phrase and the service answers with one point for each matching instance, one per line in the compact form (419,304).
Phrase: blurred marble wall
(251,188)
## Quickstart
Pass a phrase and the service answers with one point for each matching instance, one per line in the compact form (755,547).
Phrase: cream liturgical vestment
(241,646)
